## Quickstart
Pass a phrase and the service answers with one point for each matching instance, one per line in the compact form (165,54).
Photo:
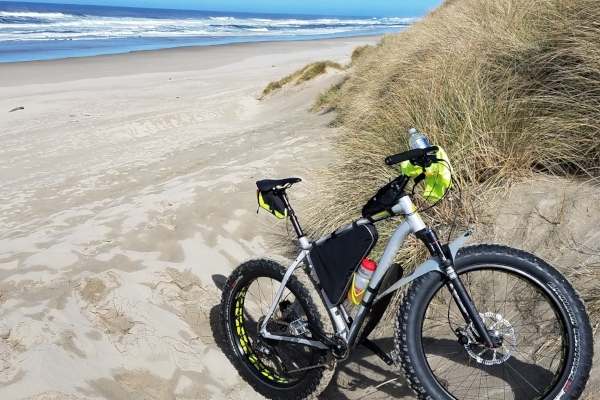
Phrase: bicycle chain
(307,368)
(325,364)
(304,368)
(317,365)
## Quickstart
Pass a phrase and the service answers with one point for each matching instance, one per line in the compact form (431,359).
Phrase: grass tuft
(301,76)
(328,100)
(358,52)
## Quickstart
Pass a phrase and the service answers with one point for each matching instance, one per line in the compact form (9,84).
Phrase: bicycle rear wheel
(539,322)
(276,369)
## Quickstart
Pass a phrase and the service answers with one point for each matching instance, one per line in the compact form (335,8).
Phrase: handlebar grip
(409,155)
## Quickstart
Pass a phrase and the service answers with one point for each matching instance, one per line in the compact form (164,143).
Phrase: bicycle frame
(412,223)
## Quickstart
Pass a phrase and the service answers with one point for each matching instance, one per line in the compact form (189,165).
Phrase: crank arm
(322,337)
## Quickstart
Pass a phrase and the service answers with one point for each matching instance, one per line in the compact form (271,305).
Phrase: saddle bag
(272,202)
(337,258)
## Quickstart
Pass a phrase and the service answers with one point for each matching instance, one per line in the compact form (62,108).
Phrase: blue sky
(375,8)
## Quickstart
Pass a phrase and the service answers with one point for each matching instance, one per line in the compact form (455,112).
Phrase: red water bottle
(361,280)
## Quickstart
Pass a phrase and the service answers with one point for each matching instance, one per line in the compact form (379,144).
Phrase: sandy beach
(128,193)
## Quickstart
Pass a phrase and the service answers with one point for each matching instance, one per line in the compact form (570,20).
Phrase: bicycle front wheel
(536,318)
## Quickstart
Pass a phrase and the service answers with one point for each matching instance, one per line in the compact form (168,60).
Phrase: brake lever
(425,160)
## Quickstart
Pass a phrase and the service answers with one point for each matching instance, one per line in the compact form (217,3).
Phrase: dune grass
(329,99)
(313,70)
(301,76)
(358,52)
(507,87)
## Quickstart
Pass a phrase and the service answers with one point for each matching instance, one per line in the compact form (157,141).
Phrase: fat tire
(316,380)
(575,373)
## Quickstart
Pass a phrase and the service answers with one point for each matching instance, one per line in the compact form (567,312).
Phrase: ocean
(36,31)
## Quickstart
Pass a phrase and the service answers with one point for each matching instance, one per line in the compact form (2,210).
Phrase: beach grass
(311,71)
(328,100)
(301,76)
(358,52)
(509,88)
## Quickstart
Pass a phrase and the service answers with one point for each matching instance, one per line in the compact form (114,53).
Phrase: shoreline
(92,51)
(151,61)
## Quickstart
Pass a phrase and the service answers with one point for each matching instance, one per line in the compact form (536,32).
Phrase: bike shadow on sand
(365,375)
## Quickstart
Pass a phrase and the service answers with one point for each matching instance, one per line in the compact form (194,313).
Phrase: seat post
(295,222)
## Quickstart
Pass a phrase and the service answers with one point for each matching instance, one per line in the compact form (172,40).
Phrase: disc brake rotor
(502,332)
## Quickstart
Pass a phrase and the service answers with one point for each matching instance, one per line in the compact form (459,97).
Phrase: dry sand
(128,190)
(127,195)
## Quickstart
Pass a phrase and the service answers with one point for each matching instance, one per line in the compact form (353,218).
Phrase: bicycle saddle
(269,184)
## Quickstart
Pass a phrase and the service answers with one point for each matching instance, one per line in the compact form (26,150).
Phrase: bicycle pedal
(298,327)
(264,350)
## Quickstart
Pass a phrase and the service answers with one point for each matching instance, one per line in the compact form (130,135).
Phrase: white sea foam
(36,26)
(33,15)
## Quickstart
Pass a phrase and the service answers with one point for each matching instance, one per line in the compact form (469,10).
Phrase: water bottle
(361,280)
(417,140)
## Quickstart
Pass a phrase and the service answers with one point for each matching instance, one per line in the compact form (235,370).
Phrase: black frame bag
(336,259)
(384,199)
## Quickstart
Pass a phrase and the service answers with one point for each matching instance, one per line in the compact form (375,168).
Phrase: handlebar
(409,155)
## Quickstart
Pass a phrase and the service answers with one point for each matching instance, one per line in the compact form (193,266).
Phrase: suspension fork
(456,287)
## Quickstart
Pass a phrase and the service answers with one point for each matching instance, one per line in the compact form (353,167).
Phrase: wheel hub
(497,337)
(503,337)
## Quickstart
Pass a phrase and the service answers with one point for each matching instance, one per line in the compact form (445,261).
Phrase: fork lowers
(460,295)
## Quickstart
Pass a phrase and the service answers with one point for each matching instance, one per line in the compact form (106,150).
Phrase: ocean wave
(23,26)
(45,31)
(9,14)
